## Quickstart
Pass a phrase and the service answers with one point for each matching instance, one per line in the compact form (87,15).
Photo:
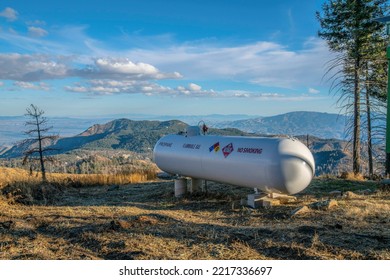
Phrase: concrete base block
(180,187)
(254,200)
(196,185)
(262,200)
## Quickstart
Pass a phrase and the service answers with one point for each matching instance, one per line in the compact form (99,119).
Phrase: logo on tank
(227,150)
(214,147)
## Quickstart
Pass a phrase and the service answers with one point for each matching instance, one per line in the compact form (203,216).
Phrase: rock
(324,205)
(335,194)
(300,211)
(352,195)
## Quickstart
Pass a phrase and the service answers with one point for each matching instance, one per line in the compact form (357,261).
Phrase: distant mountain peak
(323,125)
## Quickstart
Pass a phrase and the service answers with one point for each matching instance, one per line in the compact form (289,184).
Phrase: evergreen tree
(349,28)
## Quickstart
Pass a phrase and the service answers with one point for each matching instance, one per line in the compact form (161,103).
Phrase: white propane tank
(273,165)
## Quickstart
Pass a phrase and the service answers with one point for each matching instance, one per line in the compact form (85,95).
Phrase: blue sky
(89,58)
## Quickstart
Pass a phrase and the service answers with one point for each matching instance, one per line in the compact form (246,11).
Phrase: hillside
(117,134)
(294,123)
(123,134)
(332,156)
(322,125)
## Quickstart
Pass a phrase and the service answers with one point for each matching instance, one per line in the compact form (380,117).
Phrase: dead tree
(39,139)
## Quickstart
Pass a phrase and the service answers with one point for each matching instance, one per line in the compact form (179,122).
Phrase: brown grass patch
(17,175)
(145,221)
(352,176)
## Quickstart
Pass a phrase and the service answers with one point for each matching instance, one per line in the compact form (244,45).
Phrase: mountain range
(124,134)
(331,155)
(321,125)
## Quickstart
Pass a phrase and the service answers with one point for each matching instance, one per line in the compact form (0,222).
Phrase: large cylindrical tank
(273,165)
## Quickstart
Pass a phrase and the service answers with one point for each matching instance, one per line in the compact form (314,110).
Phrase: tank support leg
(196,185)
(180,187)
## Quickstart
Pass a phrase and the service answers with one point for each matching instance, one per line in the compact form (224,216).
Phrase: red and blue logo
(227,150)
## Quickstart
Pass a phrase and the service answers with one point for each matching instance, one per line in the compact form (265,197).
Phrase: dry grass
(352,176)
(146,222)
(16,175)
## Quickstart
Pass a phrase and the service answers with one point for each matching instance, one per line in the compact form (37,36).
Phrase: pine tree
(349,28)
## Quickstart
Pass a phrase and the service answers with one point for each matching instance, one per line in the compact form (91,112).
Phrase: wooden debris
(301,210)
(269,202)
(286,199)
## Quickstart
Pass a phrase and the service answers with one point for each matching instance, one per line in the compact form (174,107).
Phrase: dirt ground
(146,222)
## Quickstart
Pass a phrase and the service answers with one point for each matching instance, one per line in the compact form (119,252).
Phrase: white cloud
(253,95)
(37,31)
(313,91)
(36,67)
(125,66)
(1,84)
(9,13)
(263,63)
(109,87)
(241,95)
(123,69)
(194,87)
(20,67)
(32,86)
(193,90)
(77,88)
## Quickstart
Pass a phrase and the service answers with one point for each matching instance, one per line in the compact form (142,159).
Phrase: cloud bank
(101,70)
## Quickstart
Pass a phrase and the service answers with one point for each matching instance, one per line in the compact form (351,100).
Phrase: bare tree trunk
(38,137)
(369,132)
(356,121)
(43,170)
